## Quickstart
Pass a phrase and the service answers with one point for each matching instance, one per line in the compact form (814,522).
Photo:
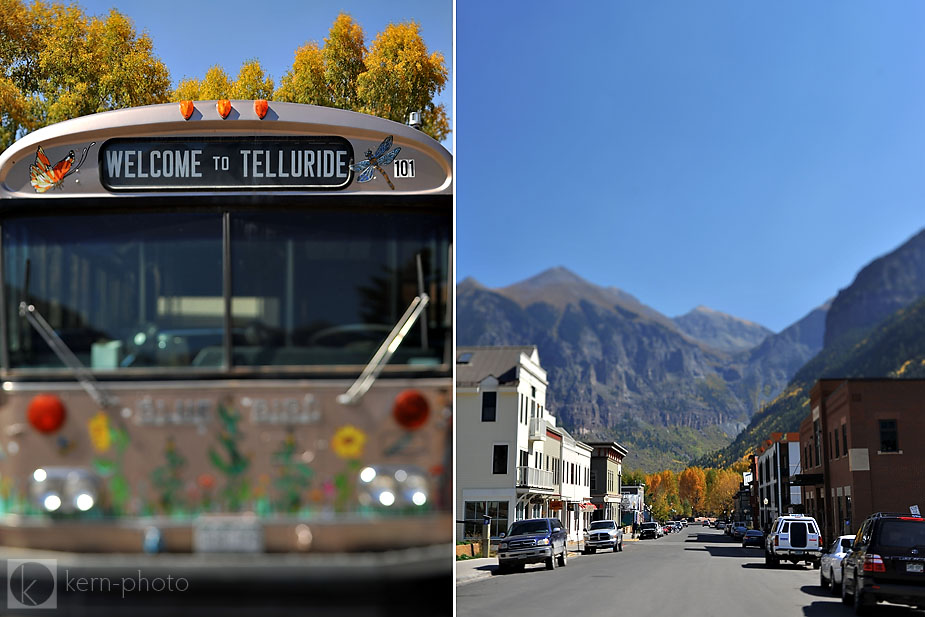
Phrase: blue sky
(191,37)
(747,156)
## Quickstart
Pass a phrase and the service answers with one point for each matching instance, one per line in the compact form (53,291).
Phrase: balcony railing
(537,429)
(531,477)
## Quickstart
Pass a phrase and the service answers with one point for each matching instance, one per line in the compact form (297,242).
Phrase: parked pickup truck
(603,534)
(534,540)
(793,538)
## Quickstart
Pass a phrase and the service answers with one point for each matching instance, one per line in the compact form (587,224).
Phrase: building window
(489,406)
(836,443)
(475,510)
(844,438)
(499,459)
(889,439)
(593,481)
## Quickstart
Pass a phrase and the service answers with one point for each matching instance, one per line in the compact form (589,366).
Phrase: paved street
(695,573)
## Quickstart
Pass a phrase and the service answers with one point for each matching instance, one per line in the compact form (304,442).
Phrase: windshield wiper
(83,376)
(385,351)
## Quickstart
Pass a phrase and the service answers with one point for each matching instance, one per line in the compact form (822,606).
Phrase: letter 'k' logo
(32,583)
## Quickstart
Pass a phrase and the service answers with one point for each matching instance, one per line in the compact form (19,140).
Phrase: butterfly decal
(43,176)
(374,162)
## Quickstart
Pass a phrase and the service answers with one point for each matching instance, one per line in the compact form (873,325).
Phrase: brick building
(861,448)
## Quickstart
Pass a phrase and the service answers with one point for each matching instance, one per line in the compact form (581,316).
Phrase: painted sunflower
(99,432)
(348,442)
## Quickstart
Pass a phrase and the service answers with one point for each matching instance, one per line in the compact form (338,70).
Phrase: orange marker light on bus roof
(186,109)
(224,107)
(261,107)
(411,409)
(46,413)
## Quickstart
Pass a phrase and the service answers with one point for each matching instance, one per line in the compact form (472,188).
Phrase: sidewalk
(469,570)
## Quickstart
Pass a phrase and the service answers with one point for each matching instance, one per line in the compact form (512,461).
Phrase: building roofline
(609,444)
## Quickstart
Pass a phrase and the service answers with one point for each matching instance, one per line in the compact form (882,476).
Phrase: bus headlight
(51,502)
(64,489)
(84,502)
(393,485)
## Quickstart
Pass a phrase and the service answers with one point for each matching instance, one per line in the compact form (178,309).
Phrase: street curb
(470,570)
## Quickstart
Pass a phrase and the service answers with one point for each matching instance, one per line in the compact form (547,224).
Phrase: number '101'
(404,168)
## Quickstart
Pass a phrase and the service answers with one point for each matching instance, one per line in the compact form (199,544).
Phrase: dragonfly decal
(43,176)
(375,162)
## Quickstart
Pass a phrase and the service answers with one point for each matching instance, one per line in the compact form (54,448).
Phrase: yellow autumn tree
(187,90)
(305,81)
(692,487)
(396,76)
(722,492)
(252,83)
(215,85)
(401,77)
(344,52)
(57,63)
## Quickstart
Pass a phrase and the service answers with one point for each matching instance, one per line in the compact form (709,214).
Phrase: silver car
(830,570)
(604,534)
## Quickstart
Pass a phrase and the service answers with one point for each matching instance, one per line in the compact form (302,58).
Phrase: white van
(793,538)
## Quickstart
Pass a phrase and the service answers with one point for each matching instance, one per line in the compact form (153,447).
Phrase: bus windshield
(159,289)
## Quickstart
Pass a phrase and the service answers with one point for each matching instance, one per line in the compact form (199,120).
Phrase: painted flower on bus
(100,435)
(348,442)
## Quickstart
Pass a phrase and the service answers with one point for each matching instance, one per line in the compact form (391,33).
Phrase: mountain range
(669,389)
(681,389)
(875,327)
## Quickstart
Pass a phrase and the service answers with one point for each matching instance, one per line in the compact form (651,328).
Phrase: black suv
(887,562)
(534,540)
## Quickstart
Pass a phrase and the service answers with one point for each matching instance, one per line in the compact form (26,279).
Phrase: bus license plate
(914,567)
(227,534)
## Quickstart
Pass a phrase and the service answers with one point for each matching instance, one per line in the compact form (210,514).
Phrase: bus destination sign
(226,163)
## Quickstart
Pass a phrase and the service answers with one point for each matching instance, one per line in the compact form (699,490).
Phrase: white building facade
(575,486)
(512,461)
(778,461)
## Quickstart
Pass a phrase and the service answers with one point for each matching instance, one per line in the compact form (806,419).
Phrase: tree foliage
(402,77)
(343,54)
(252,83)
(396,76)
(692,487)
(692,492)
(305,82)
(57,64)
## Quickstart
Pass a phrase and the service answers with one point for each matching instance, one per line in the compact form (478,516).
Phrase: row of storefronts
(537,469)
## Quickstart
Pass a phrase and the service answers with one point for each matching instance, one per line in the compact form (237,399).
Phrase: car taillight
(776,540)
(874,563)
